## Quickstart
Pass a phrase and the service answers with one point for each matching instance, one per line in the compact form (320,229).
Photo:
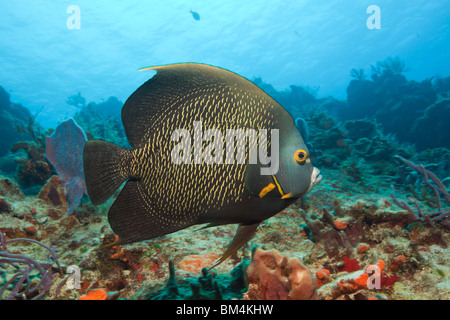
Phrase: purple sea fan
(64,149)
(21,285)
(442,215)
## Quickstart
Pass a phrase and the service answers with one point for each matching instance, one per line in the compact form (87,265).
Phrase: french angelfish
(160,196)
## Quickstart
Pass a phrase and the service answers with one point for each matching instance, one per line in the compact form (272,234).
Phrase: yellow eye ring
(300,156)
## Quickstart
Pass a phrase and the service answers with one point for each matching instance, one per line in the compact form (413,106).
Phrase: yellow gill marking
(266,190)
(278,186)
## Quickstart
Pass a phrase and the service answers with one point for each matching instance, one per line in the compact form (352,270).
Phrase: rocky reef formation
(403,107)
(431,129)
(11,115)
(357,244)
(22,144)
(100,120)
(33,169)
(414,112)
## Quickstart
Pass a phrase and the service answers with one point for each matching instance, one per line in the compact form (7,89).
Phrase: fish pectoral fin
(244,233)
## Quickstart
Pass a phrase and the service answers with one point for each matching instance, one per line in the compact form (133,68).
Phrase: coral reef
(431,129)
(375,228)
(293,98)
(414,112)
(53,192)
(9,189)
(334,229)
(442,215)
(11,115)
(22,285)
(336,238)
(100,120)
(34,169)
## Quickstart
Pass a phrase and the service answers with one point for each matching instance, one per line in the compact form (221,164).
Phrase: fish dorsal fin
(244,233)
(169,90)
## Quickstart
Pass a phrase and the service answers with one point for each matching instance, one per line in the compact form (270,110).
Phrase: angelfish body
(160,196)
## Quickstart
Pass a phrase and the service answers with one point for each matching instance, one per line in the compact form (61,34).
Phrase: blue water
(303,42)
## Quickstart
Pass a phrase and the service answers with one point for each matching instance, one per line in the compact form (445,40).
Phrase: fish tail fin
(106,167)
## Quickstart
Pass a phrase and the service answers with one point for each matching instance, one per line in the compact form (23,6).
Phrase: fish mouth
(315,179)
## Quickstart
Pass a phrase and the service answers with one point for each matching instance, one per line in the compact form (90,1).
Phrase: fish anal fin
(135,218)
(209,225)
(243,234)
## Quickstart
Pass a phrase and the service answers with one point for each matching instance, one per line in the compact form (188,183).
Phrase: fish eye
(300,156)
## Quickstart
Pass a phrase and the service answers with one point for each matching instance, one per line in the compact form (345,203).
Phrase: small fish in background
(195,15)
(160,196)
